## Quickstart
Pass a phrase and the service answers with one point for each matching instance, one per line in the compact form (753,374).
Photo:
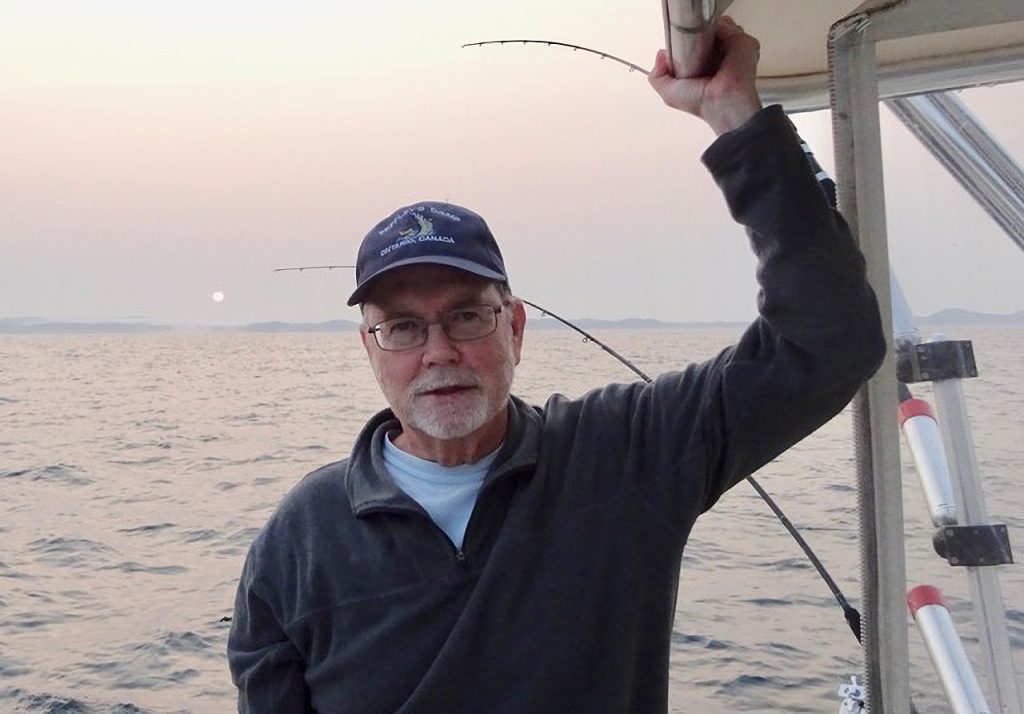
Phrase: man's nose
(439,347)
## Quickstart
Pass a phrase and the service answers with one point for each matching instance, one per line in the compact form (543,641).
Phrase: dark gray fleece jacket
(562,599)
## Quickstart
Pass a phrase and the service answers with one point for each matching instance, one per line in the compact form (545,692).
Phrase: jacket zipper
(460,555)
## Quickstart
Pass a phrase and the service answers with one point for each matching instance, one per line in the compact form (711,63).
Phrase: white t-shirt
(447,493)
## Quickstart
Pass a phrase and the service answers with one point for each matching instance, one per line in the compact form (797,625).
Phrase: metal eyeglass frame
(374,330)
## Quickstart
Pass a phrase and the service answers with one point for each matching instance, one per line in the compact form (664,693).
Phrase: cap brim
(359,295)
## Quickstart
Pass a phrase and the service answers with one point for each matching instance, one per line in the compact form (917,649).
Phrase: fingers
(726,27)
(741,50)
(661,66)
(660,75)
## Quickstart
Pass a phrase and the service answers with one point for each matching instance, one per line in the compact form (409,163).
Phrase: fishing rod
(828,186)
(587,337)
(824,180)
(569,45)
(851,613)
(313,267)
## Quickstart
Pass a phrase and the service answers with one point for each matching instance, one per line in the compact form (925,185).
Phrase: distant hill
(549,323)
(956,316)
(276,326)
(29,326)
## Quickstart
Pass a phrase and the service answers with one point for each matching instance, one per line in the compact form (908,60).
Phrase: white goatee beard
(470,412)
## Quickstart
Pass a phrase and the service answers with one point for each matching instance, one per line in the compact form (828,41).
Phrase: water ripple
(7,571)
(244,537)
(53,704)
(58,704)
(202,534)
(57,473)
(149,461)
(744,681)
(9,669)
(70,552)
(34,620)
(133,567)
(708,643)
(181,642)
(767,602)
(153,528)
(791,564)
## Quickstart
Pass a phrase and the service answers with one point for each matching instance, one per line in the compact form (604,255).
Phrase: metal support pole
(862,201)
(971,155)
(690,33)
(989,613)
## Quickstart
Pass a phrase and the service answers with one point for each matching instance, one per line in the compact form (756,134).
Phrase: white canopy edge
(982,68)
(922,46)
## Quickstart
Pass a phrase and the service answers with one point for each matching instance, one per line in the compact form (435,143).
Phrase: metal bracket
(934,361)
(973,545)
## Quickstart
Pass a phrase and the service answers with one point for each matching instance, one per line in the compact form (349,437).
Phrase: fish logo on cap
(426,228)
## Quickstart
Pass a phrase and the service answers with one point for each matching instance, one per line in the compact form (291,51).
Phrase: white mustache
(444,378)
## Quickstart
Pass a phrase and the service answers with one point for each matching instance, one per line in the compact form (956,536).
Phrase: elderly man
(476,554)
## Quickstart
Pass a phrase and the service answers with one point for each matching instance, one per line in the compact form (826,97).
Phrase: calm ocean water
(136,469)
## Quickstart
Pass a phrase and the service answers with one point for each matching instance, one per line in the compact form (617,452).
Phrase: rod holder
(954,669)
(922,434)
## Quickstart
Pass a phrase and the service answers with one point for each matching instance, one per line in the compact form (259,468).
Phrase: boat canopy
(794,47)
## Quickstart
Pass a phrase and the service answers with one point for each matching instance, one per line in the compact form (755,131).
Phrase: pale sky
(155,153)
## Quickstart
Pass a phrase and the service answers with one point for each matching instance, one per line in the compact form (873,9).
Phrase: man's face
(444,389)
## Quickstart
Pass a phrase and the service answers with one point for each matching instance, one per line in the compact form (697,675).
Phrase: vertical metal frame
(858,146)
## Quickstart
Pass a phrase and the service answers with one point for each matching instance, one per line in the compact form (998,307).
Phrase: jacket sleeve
(818,335)
(265,665)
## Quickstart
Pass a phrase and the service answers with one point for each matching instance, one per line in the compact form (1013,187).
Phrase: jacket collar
(371,488)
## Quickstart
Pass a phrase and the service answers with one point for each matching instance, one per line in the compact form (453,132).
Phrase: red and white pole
(925,442)
(954,669)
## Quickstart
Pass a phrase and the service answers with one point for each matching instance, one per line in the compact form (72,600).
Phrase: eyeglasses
(460,325)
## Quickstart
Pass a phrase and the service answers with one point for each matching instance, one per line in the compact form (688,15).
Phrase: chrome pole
(970,153)
(690,33)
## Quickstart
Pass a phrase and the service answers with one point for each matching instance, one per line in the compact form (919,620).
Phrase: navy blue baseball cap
(428,232)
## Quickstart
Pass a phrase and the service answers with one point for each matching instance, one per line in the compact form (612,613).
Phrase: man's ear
(518,327)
